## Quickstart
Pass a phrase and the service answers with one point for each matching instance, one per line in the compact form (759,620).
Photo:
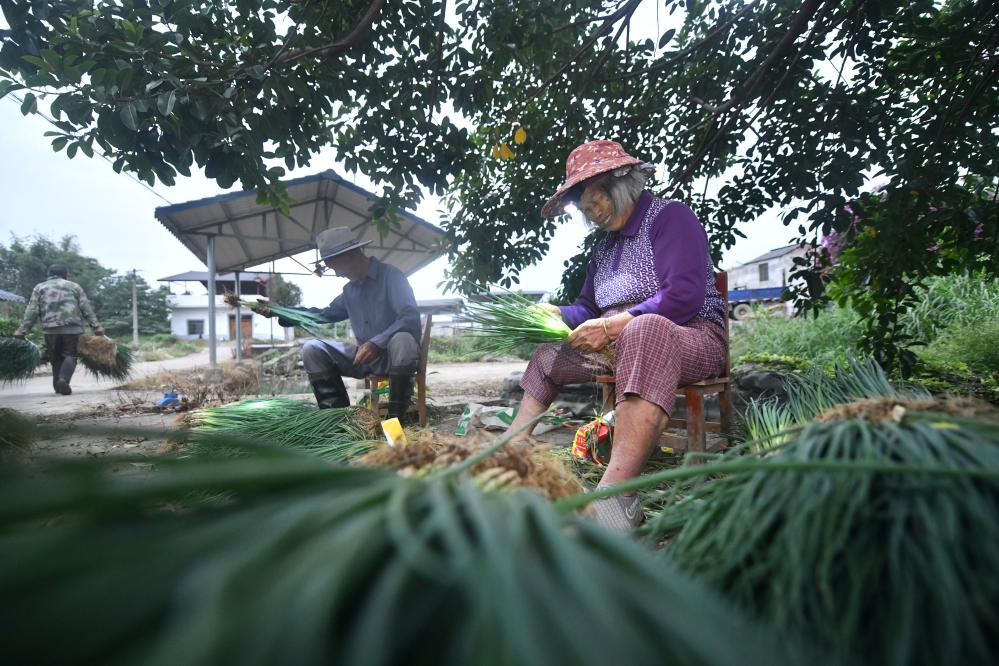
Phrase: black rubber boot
(329,390)
(66,371)
(400,396)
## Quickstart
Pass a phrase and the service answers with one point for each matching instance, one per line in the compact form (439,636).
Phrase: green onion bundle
(312,324)
(310,563)
(331,434)
(18,359)
(120,370)
(509,320)
(874,532)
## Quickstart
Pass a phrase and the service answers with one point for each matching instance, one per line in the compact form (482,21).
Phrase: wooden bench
(420,407)
(695,424)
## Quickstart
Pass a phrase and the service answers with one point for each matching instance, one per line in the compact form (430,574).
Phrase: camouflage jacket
(58,303)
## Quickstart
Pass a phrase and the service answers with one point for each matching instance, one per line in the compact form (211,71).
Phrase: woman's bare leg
(638,424)
(529,410)
(637,428)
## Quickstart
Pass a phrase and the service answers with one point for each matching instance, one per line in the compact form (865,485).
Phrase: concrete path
(447,384)
(37,397)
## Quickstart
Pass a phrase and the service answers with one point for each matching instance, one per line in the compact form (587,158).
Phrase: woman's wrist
(615,324)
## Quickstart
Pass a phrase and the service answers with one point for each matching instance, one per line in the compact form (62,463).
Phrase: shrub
(959,300)
(975,344)
(823,340)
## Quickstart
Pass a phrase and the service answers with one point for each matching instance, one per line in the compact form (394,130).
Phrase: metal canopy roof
(202,276)
(250,234)
(10,297)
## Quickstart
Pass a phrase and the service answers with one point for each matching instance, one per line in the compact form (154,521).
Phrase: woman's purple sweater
(658,260)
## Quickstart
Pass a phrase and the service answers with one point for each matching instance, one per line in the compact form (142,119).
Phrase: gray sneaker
(619,513)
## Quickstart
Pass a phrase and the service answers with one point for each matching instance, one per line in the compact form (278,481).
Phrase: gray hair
(623,185)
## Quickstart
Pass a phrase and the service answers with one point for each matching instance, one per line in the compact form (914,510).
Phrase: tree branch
(574,24)
(604,28)
(607,51)
(335,48)
(744,91)
(438,60)
(710,37)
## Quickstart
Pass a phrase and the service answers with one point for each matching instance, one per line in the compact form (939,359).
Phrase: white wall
(747,276)
(188,307)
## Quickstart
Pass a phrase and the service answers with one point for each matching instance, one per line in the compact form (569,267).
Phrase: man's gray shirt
(378,307)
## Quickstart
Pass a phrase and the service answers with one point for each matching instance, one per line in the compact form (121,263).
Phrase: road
(447,384)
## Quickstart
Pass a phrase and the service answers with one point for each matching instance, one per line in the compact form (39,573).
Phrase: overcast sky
(45,193)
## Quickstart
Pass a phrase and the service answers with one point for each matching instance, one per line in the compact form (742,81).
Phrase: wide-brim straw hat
(586,161)
(336,241)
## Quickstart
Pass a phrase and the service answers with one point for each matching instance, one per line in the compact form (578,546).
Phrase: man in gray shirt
(380,305)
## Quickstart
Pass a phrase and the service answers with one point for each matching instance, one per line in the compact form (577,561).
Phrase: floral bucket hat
(586,161)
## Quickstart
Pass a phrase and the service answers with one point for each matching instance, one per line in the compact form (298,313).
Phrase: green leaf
(165,102)
(130,117)
(152,85)
(60,143)
(36,61)
(29,105)
(7,86)
(71,150)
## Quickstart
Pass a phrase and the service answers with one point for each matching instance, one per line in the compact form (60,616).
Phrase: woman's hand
(595,334)
(590,336)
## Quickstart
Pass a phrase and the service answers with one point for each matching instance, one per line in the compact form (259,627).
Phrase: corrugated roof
(202,276)
(773,254)
(250,234)
(10,297)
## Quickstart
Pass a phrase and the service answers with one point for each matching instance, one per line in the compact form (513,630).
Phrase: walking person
(62,307)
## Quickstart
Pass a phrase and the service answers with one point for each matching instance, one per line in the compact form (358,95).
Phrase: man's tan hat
(336,241)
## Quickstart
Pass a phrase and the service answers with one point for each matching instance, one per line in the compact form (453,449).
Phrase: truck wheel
(741,311)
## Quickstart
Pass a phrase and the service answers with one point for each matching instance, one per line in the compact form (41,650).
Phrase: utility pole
(135,315)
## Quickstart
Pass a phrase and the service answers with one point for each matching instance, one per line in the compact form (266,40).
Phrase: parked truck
(741,301)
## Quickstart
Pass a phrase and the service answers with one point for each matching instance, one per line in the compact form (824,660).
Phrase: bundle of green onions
(312,324)
(873,531)
(508,320)
(310,563)
(18,359)
(331,434)
(120,370)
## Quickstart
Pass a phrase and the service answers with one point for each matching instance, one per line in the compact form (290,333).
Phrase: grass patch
(163,346)
(823,340)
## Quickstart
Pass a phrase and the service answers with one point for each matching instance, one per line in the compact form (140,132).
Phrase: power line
(17,100)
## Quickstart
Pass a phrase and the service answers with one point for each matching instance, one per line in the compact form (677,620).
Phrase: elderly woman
(649,293)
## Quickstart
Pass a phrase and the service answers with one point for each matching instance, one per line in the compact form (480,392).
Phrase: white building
(769,270)
(189,320)
(189,311)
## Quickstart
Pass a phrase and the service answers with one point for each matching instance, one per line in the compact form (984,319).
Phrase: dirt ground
(97,418)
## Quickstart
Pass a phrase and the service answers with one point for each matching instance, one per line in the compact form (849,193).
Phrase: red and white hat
(586,161)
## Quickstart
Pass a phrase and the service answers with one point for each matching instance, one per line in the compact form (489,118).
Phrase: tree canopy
(804,107)
(283,292)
